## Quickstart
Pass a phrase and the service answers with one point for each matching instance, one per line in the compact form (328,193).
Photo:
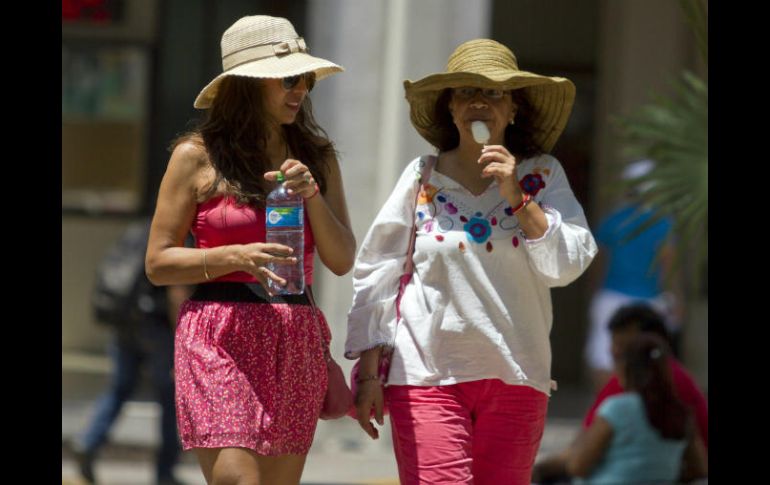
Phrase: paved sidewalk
(341,453)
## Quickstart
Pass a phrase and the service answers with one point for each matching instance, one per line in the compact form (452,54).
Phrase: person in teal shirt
(644,435)
(631,267)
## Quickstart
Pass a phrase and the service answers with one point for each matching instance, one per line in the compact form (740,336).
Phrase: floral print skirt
(249,375)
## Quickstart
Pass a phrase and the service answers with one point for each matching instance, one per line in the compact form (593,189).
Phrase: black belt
(242,292)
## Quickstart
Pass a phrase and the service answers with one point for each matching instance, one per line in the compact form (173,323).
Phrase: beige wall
(643,45)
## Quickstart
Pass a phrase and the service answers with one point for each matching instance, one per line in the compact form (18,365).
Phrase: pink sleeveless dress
(248,375)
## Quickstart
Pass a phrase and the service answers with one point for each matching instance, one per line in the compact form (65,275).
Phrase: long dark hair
(648,372)
(234,133)
(642,316)
(519,137)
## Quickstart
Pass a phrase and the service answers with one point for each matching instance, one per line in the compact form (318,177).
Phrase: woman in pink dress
(249,365)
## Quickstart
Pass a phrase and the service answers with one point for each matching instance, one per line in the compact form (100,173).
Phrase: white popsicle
(480,132)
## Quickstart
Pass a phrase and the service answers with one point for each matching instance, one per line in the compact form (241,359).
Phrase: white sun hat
(261,46)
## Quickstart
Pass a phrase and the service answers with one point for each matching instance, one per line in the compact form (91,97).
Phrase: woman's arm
(694,459)
(329,213)
(567,248)
(589,449)
(369,392)
(168,262)
(378,268)
(501,165)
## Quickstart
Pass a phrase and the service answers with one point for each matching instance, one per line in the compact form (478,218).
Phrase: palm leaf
(673,131)
(696,14)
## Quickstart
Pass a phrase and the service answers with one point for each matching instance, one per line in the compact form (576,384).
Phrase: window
(104,114)
(106,49)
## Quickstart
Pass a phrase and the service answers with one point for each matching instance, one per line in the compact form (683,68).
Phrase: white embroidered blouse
(479,303)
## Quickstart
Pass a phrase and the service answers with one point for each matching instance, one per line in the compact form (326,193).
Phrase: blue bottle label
(284,217)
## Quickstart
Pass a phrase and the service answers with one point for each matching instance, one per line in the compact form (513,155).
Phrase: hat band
(250,54)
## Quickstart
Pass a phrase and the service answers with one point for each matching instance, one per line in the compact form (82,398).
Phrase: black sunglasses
(469,92)
(291,82)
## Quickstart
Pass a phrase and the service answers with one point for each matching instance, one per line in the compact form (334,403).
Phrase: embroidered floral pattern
(441,212)
(478,229)
(532,183)
(509,223)
(427,193)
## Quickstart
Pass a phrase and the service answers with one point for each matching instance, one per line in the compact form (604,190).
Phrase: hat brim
(270,68)
(551,98)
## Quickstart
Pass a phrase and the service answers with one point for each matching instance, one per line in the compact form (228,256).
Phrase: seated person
(645,434)
(627,323)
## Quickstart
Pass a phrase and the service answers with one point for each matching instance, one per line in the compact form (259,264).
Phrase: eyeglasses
(468,93)
(291,82)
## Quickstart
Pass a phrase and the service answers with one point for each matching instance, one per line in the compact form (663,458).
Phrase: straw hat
(264,47)
(488,64)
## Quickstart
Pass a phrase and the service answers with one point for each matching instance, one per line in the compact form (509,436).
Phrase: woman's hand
(369,396)
(298,179)
(328,213)
(255,256)
(369,392)
(502,166)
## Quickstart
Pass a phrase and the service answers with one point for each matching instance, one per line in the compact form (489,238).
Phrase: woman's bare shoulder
(191,166)
(192,152)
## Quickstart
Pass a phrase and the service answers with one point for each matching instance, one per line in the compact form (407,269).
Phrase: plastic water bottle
(284,224)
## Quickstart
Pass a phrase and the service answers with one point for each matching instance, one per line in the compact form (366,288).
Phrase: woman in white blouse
(497,226)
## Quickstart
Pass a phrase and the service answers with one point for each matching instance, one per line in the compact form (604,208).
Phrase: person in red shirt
(627,323)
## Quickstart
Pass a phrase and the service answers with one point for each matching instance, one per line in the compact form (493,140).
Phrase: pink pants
(479,432)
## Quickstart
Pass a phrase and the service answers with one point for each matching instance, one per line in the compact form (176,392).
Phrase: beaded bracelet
(317,189)
(524,201)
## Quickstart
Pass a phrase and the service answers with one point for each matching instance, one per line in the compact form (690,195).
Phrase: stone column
(643,46)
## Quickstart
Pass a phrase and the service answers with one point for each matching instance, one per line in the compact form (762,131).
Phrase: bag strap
(425,168)
(325,348)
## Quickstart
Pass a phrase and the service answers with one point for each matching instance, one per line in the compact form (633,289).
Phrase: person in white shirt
(497,226)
